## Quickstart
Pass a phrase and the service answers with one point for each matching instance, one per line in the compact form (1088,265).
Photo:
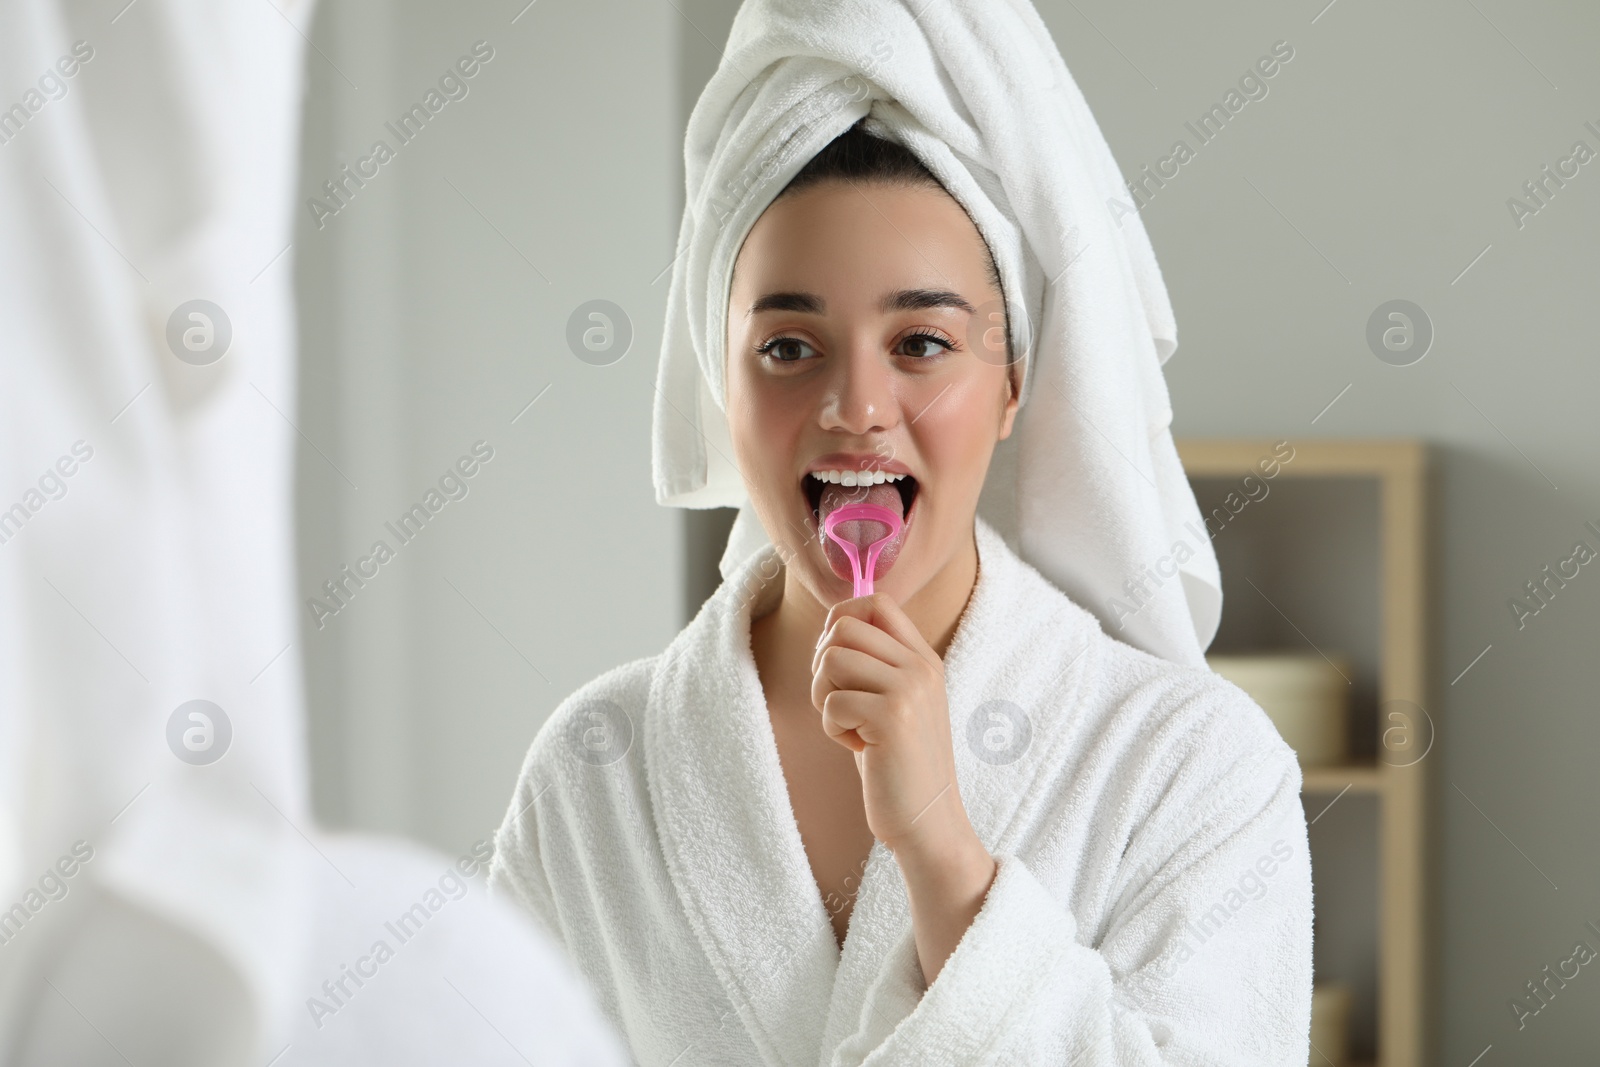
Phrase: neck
(790,632)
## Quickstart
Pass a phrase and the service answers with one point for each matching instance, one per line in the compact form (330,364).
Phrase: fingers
(882,612)
(845,714)
(851,631)
(841,668)
(859,609)
(871,665)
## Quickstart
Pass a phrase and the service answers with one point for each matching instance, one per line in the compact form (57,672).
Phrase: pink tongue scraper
(862,513)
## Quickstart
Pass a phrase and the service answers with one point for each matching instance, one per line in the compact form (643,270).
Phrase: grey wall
(435,308)
(1377,167)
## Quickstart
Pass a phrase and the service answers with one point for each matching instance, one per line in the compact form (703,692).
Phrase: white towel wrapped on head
(1089,488)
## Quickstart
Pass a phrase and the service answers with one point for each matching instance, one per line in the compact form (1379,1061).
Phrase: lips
(823,497)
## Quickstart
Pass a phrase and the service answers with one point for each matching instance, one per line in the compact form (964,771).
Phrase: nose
(861,398)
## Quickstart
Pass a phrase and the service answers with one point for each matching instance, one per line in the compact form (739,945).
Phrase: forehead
(862,238)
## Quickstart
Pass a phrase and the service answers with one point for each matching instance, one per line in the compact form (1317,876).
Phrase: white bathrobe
(1153,897)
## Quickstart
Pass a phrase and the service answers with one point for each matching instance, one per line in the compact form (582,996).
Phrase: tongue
(861,532)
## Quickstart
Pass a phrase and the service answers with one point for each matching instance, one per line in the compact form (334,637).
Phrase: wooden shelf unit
(1398,471)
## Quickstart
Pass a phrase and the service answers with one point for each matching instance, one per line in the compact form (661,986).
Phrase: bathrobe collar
(729,836)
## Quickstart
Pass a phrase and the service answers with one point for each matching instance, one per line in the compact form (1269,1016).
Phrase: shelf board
(1232,458)
(1358,777)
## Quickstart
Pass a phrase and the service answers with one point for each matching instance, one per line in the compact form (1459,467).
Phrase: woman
(954,821)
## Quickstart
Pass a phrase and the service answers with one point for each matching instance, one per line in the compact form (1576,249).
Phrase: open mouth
(826,490)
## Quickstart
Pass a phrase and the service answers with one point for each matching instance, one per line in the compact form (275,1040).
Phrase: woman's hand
(880,689)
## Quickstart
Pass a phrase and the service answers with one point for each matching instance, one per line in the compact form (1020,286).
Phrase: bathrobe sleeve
(1204,959)
(517,870)
(541,830)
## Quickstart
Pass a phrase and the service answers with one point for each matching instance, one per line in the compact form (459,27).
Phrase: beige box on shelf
(1307,698)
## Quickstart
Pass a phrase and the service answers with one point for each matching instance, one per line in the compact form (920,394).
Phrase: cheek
(764,421)
(957,434)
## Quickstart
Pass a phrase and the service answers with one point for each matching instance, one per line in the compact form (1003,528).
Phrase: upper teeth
(844,477)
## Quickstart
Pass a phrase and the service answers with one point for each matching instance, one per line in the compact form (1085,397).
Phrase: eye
(924,344)
(785,349)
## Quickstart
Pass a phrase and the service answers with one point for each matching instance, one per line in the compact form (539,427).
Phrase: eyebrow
(899,300)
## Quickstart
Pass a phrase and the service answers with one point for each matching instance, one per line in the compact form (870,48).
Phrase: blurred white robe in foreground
(153,908)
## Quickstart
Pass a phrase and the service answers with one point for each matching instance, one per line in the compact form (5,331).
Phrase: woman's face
(865,336)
